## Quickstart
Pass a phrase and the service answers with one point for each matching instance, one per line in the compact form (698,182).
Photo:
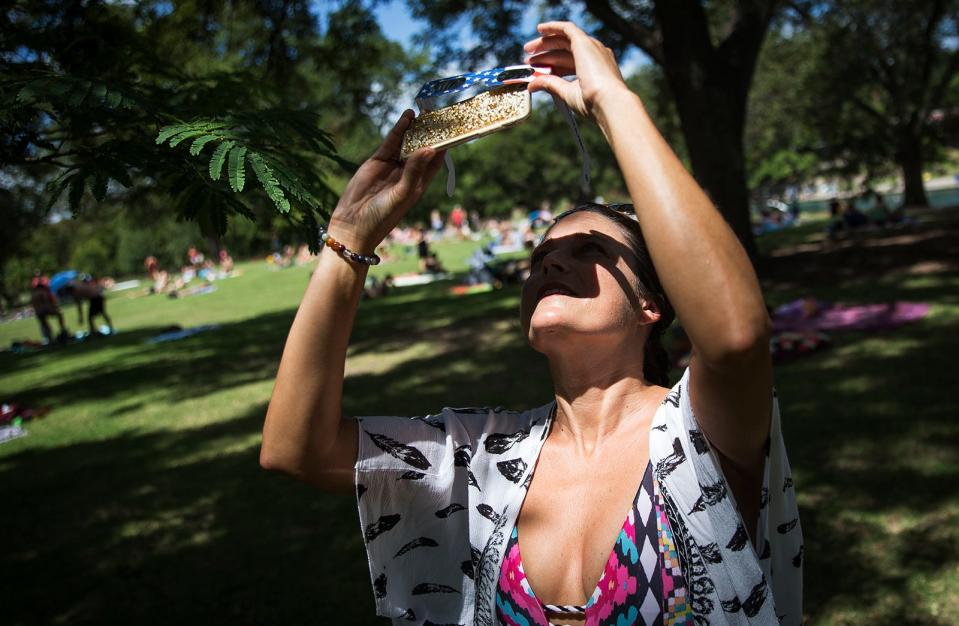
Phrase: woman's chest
(571,520)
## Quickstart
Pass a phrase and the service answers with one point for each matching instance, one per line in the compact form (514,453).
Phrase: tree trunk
(710,84)
(713,120)
(909,158)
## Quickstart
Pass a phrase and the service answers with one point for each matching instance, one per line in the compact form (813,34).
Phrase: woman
(458,526)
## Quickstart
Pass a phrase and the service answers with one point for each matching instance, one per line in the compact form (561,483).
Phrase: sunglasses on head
(625,209)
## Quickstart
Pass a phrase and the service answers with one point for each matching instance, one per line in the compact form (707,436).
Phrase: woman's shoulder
(494,413)
(457,424)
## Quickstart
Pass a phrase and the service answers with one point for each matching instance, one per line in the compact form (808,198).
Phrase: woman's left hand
(567,50)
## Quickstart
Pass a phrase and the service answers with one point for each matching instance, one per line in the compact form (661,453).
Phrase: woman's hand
(382,191)
(567,50)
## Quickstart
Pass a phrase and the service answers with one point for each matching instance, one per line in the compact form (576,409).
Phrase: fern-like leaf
(219,155)
(199,142)
(270,184)
(99,186)
(55,190)
(118,172)
(76,191)
(191,133)
(237,167)
(174,131)
(168,131)
(80,92)
(291,184)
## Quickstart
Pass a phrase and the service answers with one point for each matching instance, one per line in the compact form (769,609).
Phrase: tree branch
(871,110)
(801,10)
(939,91)
(740,48)
(649,40)
(929,43)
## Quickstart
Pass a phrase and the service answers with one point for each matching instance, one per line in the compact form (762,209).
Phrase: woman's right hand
(382,190)
(567,51)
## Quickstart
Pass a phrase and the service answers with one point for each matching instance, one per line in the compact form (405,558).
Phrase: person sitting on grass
(627,498)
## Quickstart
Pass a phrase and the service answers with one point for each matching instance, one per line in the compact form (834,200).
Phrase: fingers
(416,169)
(389,150)
(567,29)
(432,168)
(567,91)
(560,61)
(542,44)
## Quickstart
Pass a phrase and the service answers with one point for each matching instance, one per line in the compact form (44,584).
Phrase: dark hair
(655,359)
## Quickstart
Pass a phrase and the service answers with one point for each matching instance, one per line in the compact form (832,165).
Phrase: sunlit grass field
(139,498)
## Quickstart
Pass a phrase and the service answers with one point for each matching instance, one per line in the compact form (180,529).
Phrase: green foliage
(875,72)
(782,147)
(237,168)
(94,95)
(92,255)
(218,158)
(279,175)
(270,184)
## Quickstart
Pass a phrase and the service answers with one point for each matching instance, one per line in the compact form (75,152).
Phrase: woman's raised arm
(304,434)
(703,268)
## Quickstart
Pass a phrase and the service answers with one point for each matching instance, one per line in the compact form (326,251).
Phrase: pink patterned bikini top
(641,584)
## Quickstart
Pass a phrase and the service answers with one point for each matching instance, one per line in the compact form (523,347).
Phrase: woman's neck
(598,398)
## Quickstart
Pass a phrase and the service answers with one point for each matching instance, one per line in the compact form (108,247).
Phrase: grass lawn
(139,499)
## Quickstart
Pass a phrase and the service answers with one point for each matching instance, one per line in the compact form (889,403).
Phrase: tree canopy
(132,121)
(88,88)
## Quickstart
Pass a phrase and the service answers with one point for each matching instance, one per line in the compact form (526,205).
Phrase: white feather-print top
(439,495)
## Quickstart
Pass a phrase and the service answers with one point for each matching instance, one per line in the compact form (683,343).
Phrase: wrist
(351,237)
(614,104)
(344,250)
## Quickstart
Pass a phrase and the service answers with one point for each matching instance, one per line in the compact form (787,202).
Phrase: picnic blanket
(9,433)
(181,333)
(411,280)
(809,314)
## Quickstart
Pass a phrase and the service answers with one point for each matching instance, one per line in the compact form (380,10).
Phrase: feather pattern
(498,443)
(407,454)
(424,588)
(447,511)
(421,542)
(380,526)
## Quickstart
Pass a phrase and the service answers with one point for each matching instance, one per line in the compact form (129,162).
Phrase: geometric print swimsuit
(642,582)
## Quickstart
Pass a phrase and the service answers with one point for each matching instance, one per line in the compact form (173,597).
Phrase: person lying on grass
(625,499)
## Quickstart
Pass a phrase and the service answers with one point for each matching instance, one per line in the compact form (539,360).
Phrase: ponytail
(655,358)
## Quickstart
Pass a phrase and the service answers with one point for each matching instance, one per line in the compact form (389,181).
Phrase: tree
(899,63)
(708,53)
(783,146)
(88,88)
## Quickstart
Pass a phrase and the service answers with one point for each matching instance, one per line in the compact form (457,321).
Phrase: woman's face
(582,282)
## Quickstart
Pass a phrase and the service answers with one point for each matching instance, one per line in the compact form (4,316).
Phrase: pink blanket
(810,314)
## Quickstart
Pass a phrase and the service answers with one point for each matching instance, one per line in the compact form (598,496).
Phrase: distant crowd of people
(196,267)
(846,216)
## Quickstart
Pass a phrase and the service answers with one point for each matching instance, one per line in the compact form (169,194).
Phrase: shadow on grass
(803,258)
(872,440)
(238,353)
(183,527)
(125,366)
(163,528)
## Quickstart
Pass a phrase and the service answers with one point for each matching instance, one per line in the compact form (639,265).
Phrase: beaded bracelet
(346,253)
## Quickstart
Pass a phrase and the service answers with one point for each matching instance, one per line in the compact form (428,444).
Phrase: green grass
(139,498)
